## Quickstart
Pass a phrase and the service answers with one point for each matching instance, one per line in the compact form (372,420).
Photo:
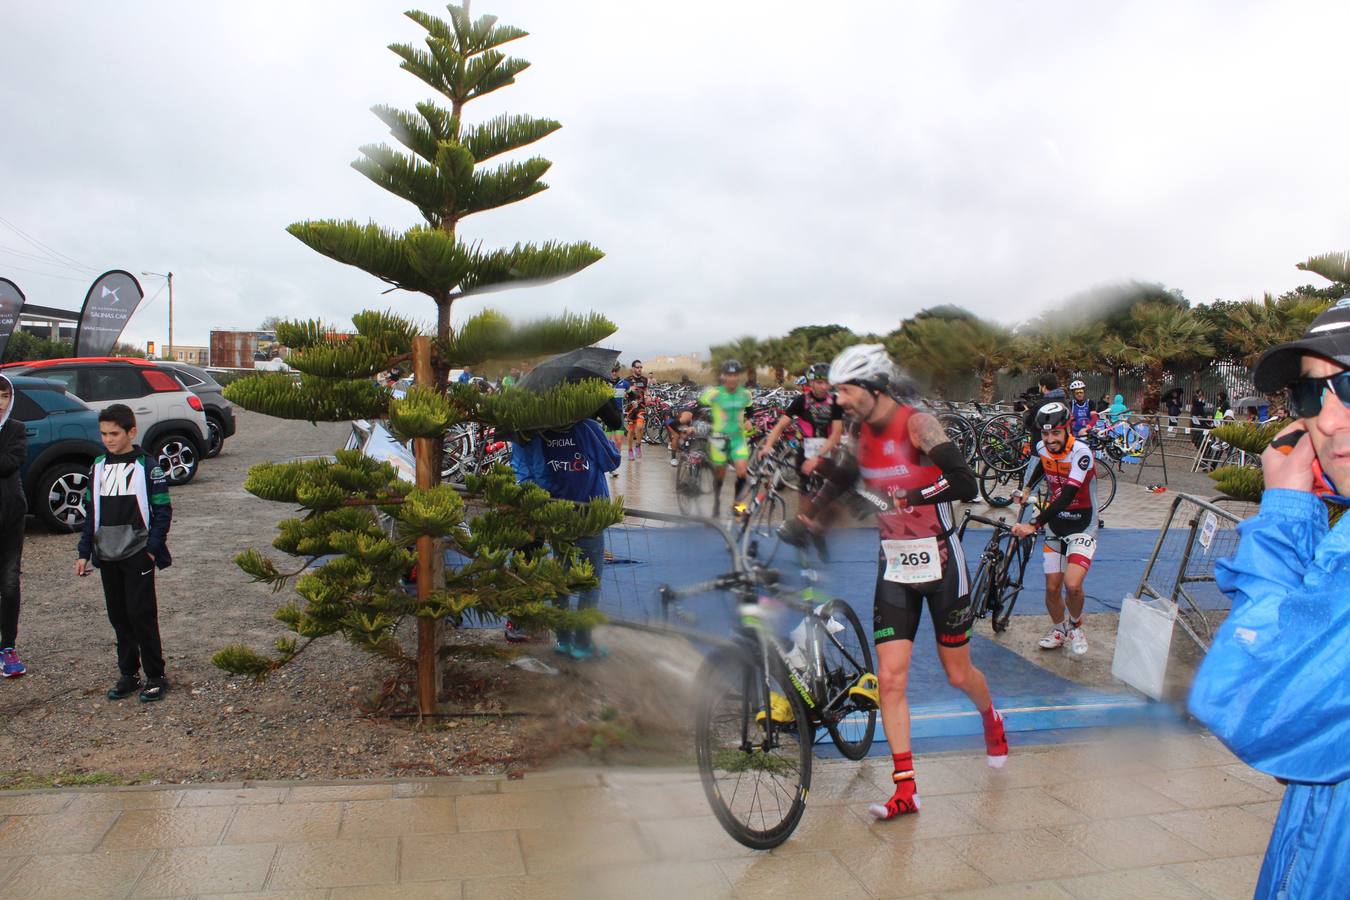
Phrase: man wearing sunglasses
(1275,686)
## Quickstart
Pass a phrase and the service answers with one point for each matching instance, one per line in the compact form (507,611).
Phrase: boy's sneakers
(155,689)
(10,664)
(125,687)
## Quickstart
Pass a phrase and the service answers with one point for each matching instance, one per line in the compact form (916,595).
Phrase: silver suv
(170,419)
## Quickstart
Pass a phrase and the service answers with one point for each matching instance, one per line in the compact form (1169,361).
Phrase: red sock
(990,717)
(904,762)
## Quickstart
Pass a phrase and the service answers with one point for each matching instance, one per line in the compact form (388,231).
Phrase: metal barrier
(1181,568)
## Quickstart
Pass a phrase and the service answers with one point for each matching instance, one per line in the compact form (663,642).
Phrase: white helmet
(1077,385)
(866,365)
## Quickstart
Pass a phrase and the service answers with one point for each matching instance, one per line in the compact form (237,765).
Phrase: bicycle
(759,707)
(695,483)
(998,577)
(997,487)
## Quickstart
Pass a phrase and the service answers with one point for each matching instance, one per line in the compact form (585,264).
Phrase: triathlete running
(730,438)
(911,471)
(636,416)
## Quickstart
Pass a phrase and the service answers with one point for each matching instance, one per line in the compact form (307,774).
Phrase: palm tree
(1333,267)
(1163,335)
(1063,349)
(746,350)
(783,355)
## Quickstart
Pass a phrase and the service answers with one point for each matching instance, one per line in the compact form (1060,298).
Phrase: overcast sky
(747,166)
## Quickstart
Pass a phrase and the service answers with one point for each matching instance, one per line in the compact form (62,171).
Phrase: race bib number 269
(912,562)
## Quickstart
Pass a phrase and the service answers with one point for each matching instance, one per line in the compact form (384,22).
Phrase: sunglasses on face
(1305,394)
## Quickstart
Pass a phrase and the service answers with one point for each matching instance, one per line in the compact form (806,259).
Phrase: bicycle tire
(980,596)
(694,485)
(1003,441)
(732,684)
(1019,555)
(962,433)
(996,487)
(761,540)
(1106,485)
(854,654)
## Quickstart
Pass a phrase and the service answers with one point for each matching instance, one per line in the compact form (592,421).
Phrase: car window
(57,401)
(187,377)
(69,378)
(105,383)
(26,409)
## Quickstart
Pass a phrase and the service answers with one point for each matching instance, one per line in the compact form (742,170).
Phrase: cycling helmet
(1077,385)
(732,367)
(801,380)
(866,365)
(1052,415)
(818,372)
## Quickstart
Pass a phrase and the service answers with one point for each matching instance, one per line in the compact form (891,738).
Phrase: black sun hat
(1328,335)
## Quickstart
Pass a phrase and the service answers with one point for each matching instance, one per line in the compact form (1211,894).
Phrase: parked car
(170,419)
(219,411)
(62,444)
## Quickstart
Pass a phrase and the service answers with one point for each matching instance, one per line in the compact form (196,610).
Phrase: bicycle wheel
(845,656)
(981,598)
(694,485)
(996,488)
(1008,585)
(961,432)
(761,536)
(1106,485)
(755,771)
(1003,442)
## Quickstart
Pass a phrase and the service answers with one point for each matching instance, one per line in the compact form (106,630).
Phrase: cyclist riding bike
(819,418)
(636,416)
(1082,411)
(911,471)
(1068,468)
(730,439)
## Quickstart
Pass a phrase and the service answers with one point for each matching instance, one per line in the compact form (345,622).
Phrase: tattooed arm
(957,481)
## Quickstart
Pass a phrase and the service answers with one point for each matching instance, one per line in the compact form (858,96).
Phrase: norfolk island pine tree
(517,544)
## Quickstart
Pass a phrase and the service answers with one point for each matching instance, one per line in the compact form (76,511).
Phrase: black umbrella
(576,365)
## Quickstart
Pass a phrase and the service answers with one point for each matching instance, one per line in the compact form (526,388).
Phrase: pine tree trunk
(428,476)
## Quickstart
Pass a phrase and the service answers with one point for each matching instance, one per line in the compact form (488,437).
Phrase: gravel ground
(307,721)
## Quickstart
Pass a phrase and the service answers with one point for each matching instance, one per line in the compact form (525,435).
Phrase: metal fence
(1195,534)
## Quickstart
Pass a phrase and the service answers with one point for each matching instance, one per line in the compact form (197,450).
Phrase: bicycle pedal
(866,694)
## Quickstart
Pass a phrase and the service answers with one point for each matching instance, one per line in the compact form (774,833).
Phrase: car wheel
(58,497)
(179,458)
(215,437)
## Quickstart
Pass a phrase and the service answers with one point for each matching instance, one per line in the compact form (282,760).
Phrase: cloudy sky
(746,166)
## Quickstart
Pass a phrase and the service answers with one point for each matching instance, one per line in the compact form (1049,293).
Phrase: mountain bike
(998,577)
(760,706)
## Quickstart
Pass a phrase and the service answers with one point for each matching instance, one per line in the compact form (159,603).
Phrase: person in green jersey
(729,439)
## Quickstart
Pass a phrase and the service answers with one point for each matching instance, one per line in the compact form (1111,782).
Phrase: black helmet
(1051,415)
(818,372)
(732,367)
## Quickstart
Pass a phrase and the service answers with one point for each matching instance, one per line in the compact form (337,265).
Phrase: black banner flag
(107,307)
(11,302)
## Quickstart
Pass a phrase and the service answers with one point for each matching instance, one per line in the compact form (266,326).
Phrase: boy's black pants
(11,551)
(129,592)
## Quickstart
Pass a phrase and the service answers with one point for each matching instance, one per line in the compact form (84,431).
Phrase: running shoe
(674,461)
(10,664)
(125,687)
(995,742)
(639,451)
(155,689)
(1054,639)
(630,455)
(1077,641)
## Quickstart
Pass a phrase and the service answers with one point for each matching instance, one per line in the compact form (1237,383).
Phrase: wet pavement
(1130,815)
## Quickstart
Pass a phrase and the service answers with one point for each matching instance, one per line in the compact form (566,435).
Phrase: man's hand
(764,450)
(810,465)
(82,567)
(1289,467)
(1023,529)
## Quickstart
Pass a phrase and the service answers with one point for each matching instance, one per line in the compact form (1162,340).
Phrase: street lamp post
(168,277)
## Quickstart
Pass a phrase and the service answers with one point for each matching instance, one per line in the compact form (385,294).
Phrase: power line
(37,243)
(8,266)
(45,260)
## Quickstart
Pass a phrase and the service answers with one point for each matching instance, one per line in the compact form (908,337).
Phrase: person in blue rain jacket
(1275,685)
